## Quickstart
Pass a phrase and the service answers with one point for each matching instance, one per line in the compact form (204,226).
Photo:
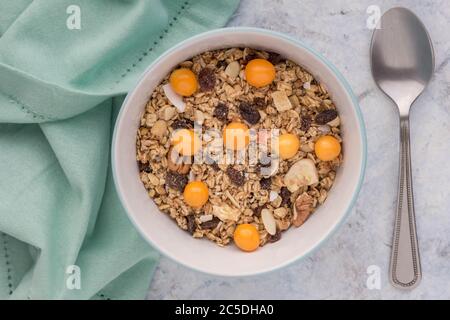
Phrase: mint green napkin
(61,223)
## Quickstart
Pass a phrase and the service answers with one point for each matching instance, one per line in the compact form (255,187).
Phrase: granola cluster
(294,103)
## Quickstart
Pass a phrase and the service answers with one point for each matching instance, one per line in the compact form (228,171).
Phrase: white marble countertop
(338,270)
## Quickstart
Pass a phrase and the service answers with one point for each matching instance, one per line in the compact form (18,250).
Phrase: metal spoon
(402,59)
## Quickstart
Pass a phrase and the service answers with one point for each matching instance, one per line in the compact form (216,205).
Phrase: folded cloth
(64,67)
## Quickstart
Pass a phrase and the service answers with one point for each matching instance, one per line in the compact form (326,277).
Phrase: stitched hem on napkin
(66,100)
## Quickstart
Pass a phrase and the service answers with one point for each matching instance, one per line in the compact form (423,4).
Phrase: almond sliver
(174,98)
(269,221)
(233,69)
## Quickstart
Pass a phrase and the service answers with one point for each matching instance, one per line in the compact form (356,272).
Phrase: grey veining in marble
(338,30)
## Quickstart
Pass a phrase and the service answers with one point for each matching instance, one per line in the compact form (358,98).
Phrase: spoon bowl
(402,57)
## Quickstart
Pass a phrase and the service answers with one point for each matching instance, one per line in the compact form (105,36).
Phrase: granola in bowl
(238,145)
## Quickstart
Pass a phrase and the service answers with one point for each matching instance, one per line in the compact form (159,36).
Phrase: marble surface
(338,270)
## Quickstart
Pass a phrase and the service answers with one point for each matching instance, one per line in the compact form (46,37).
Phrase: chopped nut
(280,212)
(325,129)
(167,113)
(273,195)
(302,173)
(294,101)
(159,129)
(205,217)
(225,212)
(153,179)
(309,147)
(150,119)
(277,202)
(281,101)
(283,224)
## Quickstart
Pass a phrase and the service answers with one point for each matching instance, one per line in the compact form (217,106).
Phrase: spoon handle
(405,269)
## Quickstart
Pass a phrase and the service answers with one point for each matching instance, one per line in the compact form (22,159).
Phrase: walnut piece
(303,208)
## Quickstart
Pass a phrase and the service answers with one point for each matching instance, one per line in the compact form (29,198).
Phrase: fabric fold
(63,231)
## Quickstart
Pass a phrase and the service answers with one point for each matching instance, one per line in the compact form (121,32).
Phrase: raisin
(206,79)
(257,211)
(212,162)
(326,116)
(249,57)
(235,176)
(190,223)
(265,183)
(221,63)
(221,111)
(144,167)
(275,237)
(305,123)
(285,195)
(147,169)
(259,103)
(176,181)
(274,58)
(215,166)
(249,113)
(211,224)
(182,124)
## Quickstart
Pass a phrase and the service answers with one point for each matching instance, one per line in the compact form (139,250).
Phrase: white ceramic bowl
(163,233)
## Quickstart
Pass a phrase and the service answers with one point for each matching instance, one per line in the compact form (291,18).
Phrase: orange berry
(288,145)
(236,136)
(327,148)
(196,194)
(246,237)
(185,142)
(259,72)
(184,82)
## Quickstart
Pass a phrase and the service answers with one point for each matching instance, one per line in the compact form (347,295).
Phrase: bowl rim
(296,42)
